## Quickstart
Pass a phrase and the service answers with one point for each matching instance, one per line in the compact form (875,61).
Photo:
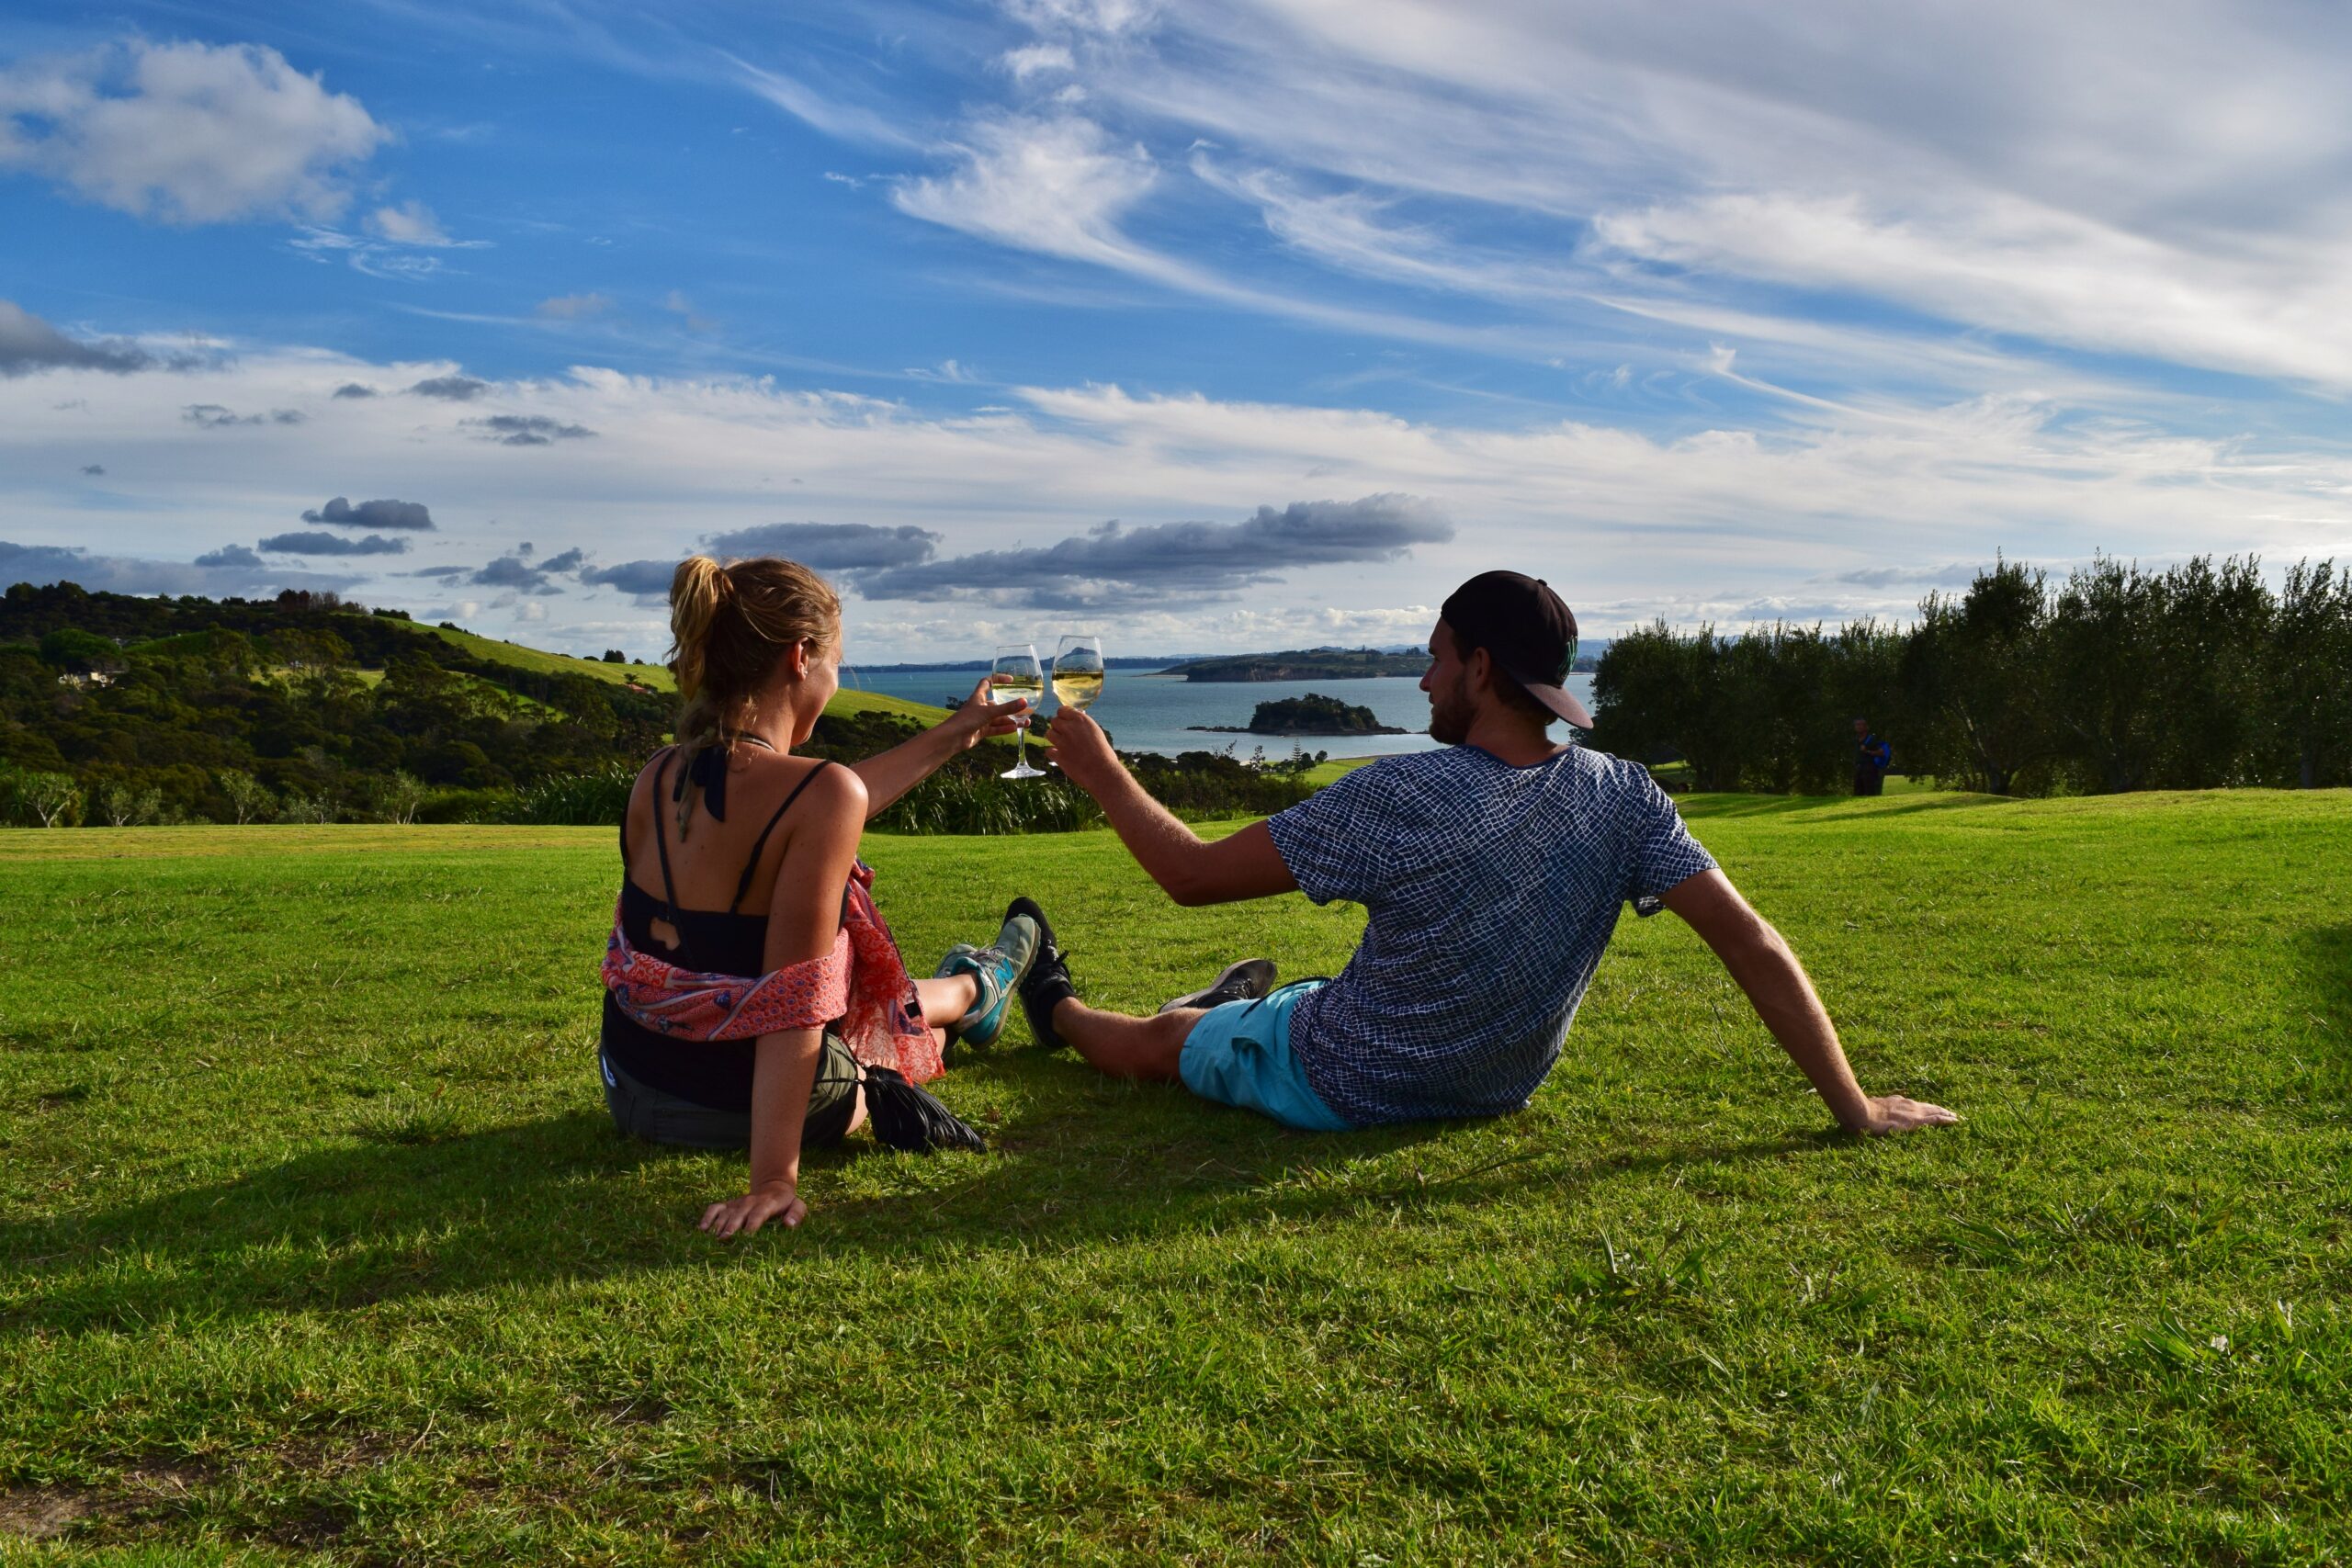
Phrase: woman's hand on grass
(746,1214)
(1894,1114)
(978,716)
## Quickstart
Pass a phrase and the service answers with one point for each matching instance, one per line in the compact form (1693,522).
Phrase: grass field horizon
(314,1237)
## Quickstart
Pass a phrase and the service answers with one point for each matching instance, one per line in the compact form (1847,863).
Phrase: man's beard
(1450,712)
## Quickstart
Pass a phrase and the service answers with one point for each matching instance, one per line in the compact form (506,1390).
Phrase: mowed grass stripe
(313,1235)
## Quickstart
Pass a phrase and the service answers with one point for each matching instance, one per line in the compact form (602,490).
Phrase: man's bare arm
(1244,866)
(1782,995)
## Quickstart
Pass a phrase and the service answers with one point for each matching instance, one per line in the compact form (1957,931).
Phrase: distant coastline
(1303,664)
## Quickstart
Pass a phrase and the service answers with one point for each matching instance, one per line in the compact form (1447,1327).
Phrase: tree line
(2114,678)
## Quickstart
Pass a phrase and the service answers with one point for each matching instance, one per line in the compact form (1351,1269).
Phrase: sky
(1221,326)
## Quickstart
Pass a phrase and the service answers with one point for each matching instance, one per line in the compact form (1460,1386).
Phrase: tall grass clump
(950,803)
(597,799)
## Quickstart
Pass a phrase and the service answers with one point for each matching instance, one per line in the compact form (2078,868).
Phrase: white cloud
(1107,18)
(1032,60)
(1059,185)
(409,223)
(186,133)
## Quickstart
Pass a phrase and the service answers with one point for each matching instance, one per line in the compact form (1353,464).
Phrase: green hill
(315,1237)
(517,656)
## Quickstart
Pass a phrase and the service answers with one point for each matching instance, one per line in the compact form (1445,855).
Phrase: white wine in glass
(1016,673)
(1078,670)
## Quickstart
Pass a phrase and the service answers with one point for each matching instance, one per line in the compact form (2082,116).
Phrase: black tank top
(715,1073)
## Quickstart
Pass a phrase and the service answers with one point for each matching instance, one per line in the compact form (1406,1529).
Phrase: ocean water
(1146,712)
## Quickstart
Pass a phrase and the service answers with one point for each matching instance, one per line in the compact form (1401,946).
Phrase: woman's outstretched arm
(890,774)
(804,916)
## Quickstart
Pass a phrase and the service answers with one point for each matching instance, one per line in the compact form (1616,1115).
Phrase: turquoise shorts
(1239,1055)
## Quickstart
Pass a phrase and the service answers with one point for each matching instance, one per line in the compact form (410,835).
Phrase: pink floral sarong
(861,985)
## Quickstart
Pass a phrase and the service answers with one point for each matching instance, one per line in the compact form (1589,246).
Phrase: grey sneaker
(998,970)
(1243,982)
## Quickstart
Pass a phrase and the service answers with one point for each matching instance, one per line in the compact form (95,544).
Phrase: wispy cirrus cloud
(2178,199)
(1058,184)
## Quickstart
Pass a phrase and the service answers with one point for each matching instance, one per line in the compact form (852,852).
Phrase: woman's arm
(804,917)
(890,774)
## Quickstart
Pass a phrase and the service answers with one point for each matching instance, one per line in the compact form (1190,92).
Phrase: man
(1492,870)
(1872,757)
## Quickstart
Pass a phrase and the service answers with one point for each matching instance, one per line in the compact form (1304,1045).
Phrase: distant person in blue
(1872,757)
(1492,872)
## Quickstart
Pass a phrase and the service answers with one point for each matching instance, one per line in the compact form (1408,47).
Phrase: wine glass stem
(1021,746)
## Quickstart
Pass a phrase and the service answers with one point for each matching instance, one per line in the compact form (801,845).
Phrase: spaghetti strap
(662,842)
(760,844)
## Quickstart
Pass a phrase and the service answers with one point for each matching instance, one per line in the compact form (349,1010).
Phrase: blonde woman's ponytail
(729,628)
(697,590)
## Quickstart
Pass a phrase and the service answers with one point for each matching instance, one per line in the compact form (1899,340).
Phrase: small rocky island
(1310,714)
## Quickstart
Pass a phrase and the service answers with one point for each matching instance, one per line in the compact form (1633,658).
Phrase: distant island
(1310,714)
(1304,664)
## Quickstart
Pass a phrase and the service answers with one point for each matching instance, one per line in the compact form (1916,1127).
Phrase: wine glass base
(1023,772)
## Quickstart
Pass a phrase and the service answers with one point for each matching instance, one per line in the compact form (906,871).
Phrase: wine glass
(1016,673)
(1078,670)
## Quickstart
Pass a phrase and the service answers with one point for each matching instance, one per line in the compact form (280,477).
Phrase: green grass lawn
(315,1236)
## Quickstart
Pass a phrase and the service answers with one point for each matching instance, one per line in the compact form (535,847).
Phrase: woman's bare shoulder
(832,798)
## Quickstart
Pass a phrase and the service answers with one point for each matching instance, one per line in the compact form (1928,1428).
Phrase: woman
(749,979)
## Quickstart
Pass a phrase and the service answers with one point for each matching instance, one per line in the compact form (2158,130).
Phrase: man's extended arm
(1783,997)
(1244,866)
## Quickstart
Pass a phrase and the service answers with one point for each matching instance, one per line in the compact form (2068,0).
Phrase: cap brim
(1560,700)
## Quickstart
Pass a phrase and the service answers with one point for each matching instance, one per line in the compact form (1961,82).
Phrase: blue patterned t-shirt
(1491,892)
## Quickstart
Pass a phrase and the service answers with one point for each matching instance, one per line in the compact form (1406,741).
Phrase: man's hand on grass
(753,1209)
(1892,1114)
(1082,751)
